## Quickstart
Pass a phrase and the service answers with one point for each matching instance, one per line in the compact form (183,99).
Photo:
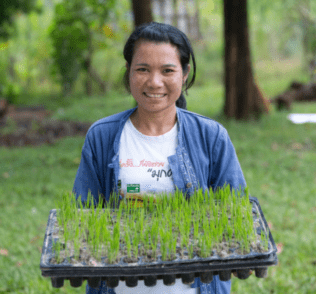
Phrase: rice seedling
(206,224)
(57,248)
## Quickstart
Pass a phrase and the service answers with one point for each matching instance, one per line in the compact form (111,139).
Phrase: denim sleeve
(226,168)
(87,179)
(103,289)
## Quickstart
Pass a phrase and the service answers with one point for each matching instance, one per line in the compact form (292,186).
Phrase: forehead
(155,51)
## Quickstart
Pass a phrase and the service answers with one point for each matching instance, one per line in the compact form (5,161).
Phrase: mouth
(154,95)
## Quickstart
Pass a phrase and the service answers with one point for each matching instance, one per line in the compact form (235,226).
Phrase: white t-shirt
(160,288)
(144,168)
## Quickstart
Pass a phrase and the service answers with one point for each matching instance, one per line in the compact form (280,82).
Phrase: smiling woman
(162,34)
(158,146)
(156,80)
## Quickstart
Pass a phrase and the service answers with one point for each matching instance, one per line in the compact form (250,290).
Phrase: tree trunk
(11,66)
(243,98)
(198,34)
(308,38)
(91,73)
(96,77)
(88,63)
(142,12)
(175,17)
(67,89)
(88,82)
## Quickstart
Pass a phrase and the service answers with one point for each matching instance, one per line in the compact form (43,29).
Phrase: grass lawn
(278,159)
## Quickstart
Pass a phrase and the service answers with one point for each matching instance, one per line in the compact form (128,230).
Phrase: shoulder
(111,120)
(195,121)
(110,123)
(105,129)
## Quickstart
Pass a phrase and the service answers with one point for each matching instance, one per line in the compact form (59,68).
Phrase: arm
(87,179)
(226,168)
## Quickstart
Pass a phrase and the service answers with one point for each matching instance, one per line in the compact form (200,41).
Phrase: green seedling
(57,249)
(201,224)
(191,251)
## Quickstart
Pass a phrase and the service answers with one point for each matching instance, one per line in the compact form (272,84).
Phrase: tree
(289,27)
(243,97)
(182,14)
(8,9)
(303,18)
(142,12)
(75,25)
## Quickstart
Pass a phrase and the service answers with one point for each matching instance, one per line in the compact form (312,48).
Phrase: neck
(154,124)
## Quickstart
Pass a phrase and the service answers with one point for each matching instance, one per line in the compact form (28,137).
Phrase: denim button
(189,185)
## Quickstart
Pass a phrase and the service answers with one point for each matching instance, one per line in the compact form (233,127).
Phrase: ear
(126,65)
(186,75)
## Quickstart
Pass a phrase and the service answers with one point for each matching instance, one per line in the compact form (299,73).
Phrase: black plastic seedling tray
(168,271)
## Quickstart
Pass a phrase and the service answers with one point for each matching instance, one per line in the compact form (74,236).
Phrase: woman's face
(156,76)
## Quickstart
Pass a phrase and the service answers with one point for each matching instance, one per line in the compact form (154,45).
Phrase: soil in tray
(222,250)
(212,226)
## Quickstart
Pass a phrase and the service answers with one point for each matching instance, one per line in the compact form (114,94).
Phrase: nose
(155,80)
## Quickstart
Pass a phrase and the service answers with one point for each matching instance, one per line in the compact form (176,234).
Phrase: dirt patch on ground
(25,126)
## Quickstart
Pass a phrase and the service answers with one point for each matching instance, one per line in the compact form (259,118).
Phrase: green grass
(277,157)
(278,160)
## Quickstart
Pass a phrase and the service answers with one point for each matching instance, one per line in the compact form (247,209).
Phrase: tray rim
(53,270)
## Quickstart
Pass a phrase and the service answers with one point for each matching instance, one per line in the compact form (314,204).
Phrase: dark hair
(162,33)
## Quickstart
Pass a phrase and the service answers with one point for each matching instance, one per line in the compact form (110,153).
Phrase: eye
(141,69)
(168,70)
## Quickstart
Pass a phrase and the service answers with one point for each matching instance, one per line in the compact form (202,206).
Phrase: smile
(154,95)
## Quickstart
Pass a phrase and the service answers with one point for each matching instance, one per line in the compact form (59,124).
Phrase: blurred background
(61,69)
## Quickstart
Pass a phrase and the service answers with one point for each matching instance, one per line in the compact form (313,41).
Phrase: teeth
(155,95)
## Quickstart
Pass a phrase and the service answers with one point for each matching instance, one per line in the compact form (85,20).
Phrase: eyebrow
(165,65)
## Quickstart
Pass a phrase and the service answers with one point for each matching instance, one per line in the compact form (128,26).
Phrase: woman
(157,146)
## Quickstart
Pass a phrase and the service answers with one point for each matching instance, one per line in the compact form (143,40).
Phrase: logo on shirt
(133,188)
(142,163)
(160,173)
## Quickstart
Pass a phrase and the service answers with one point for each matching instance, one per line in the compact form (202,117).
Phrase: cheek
(135,82)
(176,84)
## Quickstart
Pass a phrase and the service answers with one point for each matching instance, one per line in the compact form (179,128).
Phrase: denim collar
(124,120)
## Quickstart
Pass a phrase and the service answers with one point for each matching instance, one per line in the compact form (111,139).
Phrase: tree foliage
(8,8)
(72,34)
(289,21)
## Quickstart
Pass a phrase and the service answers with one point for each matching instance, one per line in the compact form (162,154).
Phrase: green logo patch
(133,188)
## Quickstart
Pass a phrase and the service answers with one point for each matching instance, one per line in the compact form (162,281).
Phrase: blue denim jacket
(205,157)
